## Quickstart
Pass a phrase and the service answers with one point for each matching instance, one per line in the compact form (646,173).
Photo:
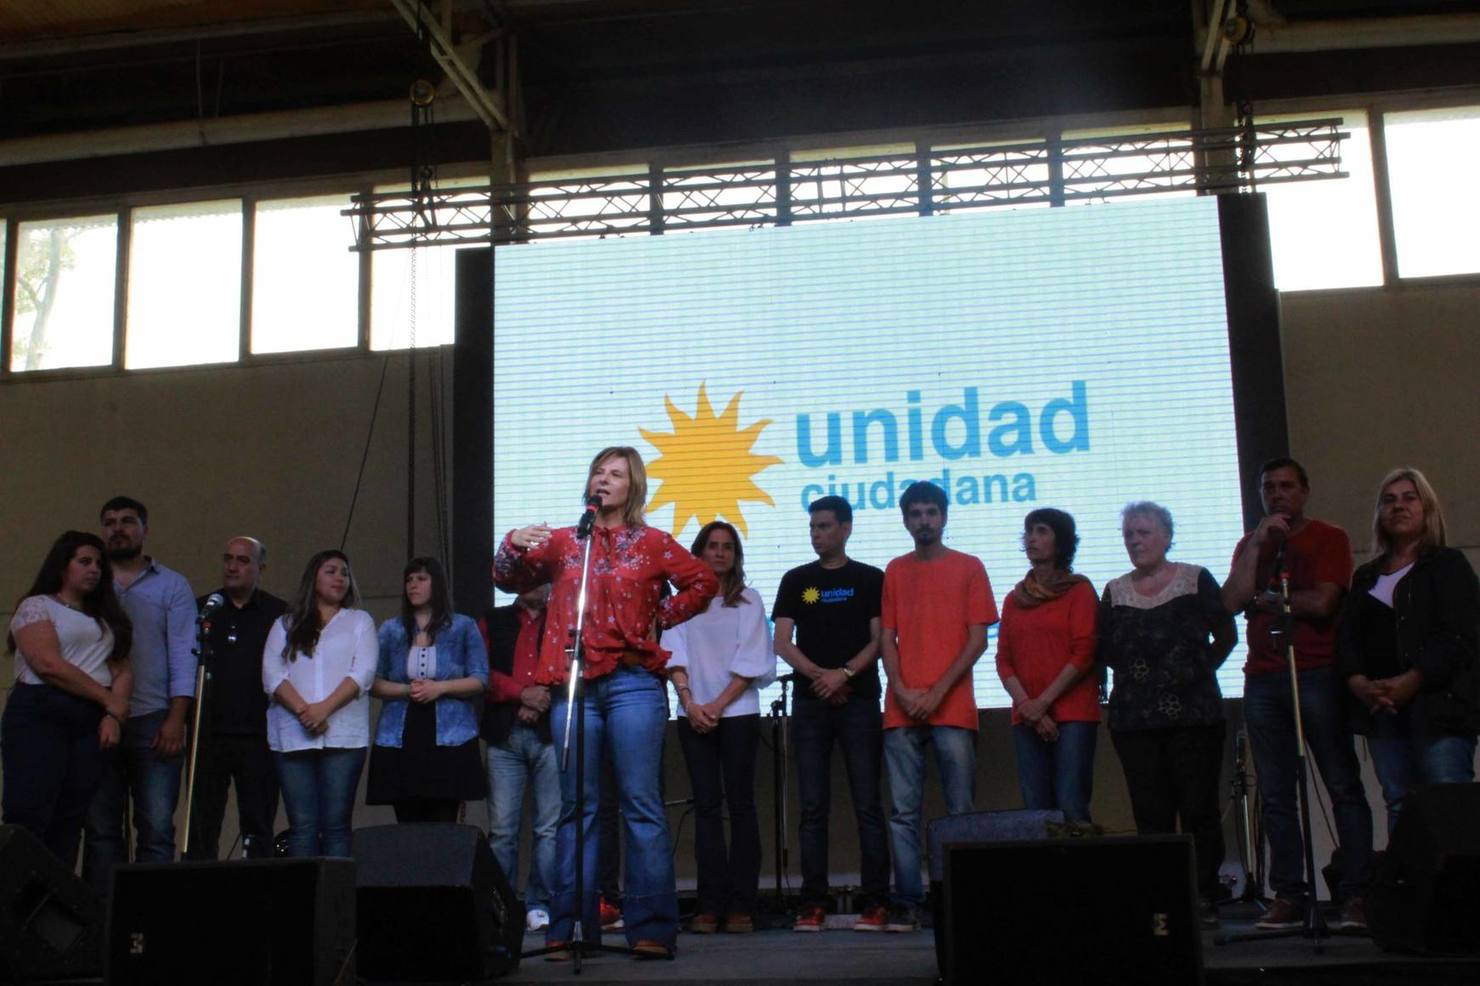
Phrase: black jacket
(1437,606)
(502,626)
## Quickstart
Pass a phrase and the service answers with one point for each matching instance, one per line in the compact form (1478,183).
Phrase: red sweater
(1034,644)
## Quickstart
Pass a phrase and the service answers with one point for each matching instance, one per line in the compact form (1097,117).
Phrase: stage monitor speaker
(1118,911)
(282,922)
(1425,894)
(51,923)
(974,826)
(434,906)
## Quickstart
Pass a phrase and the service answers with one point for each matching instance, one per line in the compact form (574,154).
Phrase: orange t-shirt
(1034,644)
(929,606)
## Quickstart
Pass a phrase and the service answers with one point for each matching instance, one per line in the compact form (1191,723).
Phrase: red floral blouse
(629,566)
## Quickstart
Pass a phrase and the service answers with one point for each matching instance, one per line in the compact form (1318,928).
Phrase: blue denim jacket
(460,654)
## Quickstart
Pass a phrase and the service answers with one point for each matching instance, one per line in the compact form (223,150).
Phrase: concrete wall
(1374,378)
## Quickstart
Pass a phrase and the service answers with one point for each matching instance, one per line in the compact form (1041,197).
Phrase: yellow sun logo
(704,466)
(811,594)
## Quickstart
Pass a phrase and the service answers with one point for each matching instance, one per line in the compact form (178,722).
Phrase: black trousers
(1176,774)
(858,728)
(721,766)
(426,810)
(51,764)
(246,761)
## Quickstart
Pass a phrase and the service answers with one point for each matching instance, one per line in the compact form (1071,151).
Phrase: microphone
(588,516)
(213,602)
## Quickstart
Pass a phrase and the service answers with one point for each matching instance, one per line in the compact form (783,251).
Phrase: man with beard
(936,608)
(145,766)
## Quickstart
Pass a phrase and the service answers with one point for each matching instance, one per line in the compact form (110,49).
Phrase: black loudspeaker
(974,826)
(434,905)
(51,923)
(1425,894)
(282,922)
(1053,911)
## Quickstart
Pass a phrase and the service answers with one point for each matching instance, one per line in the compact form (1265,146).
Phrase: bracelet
(109,715)
(847,671)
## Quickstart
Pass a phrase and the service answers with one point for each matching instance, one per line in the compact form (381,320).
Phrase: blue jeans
(1404,759)
(904,757)
(627,711)
(524,759)
(319,794)
(1060,774)
(1270,720)
(858,727)
(132,769)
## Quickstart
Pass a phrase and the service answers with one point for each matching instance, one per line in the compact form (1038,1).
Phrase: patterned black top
(1160,649)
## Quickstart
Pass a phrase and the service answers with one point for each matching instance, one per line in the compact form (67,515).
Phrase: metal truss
(930,181)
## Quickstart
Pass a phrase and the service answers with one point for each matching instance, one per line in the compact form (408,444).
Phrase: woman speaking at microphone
(623,700)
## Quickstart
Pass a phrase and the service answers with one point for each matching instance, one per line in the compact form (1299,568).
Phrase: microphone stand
(575,688)
(778,777)
(203,655)
(1314,926)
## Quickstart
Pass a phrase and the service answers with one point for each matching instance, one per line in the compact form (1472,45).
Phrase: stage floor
(845,956)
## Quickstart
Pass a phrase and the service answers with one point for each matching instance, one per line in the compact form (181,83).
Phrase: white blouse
(84,643)
(724,641)
(347,648)
(421,662)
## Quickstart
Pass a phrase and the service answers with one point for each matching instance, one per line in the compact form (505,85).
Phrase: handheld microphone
(213,602)
(588,516)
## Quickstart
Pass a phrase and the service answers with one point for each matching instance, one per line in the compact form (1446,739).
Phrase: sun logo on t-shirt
(811,594)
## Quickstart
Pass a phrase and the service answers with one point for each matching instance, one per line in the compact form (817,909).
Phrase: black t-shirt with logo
(832,608)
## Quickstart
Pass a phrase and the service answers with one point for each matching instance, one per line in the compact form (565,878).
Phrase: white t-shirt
(85,644)
(347,648)
(1383,590)
(724,641)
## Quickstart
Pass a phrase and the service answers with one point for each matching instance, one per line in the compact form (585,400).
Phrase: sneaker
(1353,916)
(538,919)
(1285,913)
(811,918)
(902,919)
(647,948)
(1207,913)
(704,924)
(611,916)
(872,919)
(739,924)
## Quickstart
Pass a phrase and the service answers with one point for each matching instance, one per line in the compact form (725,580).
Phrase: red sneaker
(811,918)
(611,916)
(872,919)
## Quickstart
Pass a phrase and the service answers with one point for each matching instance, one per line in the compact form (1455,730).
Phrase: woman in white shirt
(70,637)
(318,666)
(721,659)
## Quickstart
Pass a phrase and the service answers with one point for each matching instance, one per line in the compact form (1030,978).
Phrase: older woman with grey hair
(1164,633)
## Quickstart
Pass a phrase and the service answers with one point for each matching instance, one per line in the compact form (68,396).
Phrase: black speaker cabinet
(282,922)
(51,923)
(1055,911)
(433,905)
(1425,894)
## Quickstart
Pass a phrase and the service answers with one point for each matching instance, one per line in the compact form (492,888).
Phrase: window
(411,290)
(411,297)
(1435,211)
(1323,234)
(64,277)
(184,286)
(305,279)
